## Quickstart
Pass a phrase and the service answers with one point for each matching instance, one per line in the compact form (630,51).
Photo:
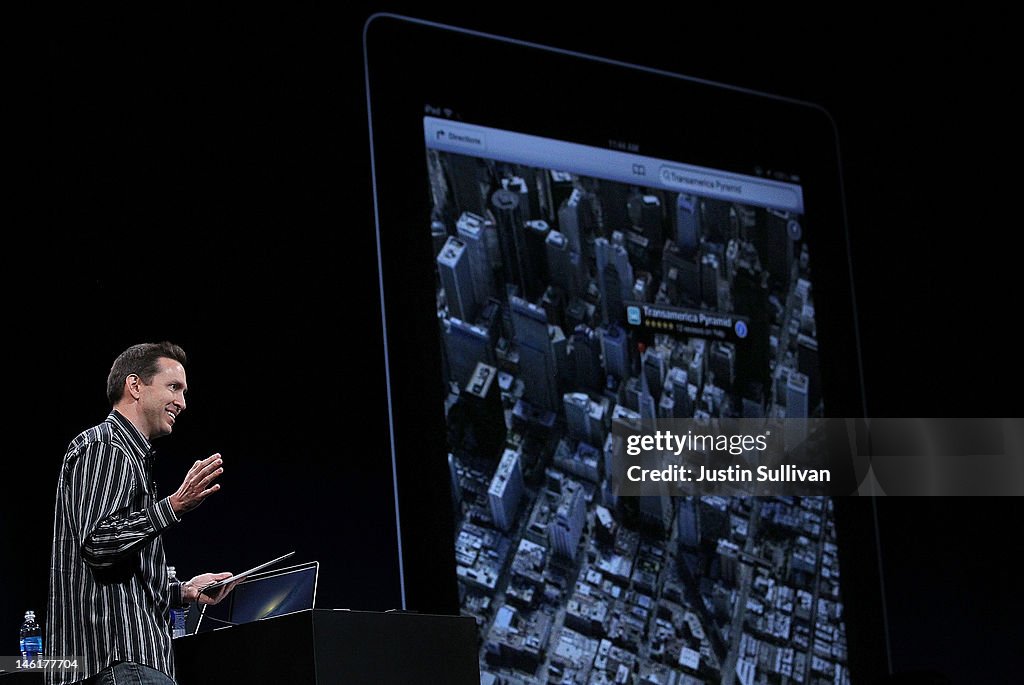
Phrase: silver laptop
(264,595)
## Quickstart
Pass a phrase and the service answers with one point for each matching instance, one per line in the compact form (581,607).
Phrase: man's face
(163,399)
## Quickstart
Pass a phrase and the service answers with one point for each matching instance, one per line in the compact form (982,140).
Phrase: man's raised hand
(198,484)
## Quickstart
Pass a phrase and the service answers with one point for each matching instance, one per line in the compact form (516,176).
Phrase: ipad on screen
(570,247)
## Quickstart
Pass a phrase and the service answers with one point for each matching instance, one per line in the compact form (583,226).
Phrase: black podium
(328,647)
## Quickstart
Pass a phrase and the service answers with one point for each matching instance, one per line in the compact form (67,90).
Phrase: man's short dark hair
(142,361)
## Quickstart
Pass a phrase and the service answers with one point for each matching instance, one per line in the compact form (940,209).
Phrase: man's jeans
(129,673)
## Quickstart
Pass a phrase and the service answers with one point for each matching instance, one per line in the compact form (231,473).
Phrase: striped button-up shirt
(110,597)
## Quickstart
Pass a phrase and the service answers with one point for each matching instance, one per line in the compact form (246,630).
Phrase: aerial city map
(539,275)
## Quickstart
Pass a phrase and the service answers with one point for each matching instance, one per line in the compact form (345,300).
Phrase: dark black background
(204,177)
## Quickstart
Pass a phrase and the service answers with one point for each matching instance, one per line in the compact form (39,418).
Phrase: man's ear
(132,384)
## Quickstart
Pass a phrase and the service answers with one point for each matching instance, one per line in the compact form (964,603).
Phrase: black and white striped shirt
(110,597)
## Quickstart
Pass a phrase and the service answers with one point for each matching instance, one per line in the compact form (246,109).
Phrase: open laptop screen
(264,595)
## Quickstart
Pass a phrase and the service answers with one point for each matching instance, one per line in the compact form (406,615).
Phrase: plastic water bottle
(31,638)
(178,616)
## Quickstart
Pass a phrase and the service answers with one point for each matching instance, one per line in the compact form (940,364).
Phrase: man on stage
(110,597)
